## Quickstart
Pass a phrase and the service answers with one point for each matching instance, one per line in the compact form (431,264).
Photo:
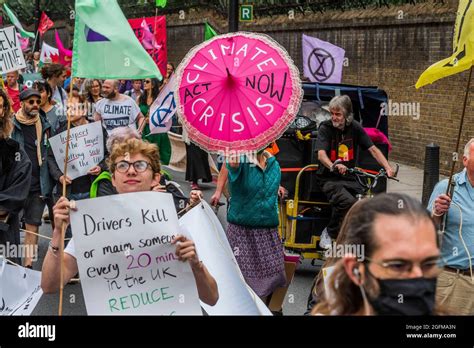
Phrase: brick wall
(388,48)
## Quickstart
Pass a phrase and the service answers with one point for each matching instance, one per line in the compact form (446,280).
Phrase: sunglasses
(147,81)
(35,101)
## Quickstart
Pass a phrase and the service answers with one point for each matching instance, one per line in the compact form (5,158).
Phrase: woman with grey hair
(120,135)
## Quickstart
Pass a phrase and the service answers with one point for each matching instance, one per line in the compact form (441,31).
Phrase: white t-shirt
(117,113)
(60,97)
(70,248)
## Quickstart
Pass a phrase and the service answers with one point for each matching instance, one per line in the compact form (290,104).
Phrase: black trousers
(341,193)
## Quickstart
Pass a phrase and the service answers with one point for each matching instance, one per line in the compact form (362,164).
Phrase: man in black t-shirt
(339,139)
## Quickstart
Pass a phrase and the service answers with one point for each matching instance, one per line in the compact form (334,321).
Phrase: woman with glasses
(102,185)
(151,88)
(389,261)
(135,167)
(93,88)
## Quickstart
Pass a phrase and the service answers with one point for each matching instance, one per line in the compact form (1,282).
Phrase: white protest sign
(11,55)
(125,257)
(20,289)
(213,249)
(86,149)
(163,108)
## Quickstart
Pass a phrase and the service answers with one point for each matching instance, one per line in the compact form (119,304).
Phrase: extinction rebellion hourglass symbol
(321,64)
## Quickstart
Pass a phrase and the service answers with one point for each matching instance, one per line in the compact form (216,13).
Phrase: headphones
(356,272)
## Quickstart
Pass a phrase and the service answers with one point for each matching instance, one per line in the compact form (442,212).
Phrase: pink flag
(157,26)
(64,54)
(148,39)
(23,41)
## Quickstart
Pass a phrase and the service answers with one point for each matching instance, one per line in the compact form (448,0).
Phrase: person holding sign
(32,131)
(102,185)
(117,110)
(15,174)
(134,165)
(78,188)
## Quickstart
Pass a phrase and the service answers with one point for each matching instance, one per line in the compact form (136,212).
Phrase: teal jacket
(46,182)
(254,194)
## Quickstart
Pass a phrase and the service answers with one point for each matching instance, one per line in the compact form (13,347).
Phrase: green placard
(246,13)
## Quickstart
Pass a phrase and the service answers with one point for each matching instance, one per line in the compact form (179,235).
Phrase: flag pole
(64,225)
(154,32)
(34,43)
(453,165)
(450,187)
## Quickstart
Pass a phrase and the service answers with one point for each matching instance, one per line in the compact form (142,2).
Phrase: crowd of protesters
(402,252)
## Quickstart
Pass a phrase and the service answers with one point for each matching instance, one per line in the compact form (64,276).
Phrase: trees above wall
(138,8)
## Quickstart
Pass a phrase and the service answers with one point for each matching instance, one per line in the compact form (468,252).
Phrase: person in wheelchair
(337,143)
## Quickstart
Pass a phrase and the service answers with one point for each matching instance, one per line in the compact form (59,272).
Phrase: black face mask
(413,296)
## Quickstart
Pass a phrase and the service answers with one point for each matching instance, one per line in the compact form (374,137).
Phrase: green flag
(17,24)
(209,32)
(105,46)
(160,3)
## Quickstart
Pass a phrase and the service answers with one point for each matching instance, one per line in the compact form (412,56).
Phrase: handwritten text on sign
(86,149)
(235,88)
(11,56)
(125,257)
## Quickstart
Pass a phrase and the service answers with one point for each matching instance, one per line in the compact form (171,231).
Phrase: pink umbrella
(237,92)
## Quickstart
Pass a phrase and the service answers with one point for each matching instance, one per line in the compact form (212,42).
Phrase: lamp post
(233,16)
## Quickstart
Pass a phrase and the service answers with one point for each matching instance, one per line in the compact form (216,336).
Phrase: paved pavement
(411,180)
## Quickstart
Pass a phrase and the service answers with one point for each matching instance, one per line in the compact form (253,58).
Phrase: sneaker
(325,242)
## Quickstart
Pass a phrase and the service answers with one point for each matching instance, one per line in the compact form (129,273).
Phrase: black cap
(28,93)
